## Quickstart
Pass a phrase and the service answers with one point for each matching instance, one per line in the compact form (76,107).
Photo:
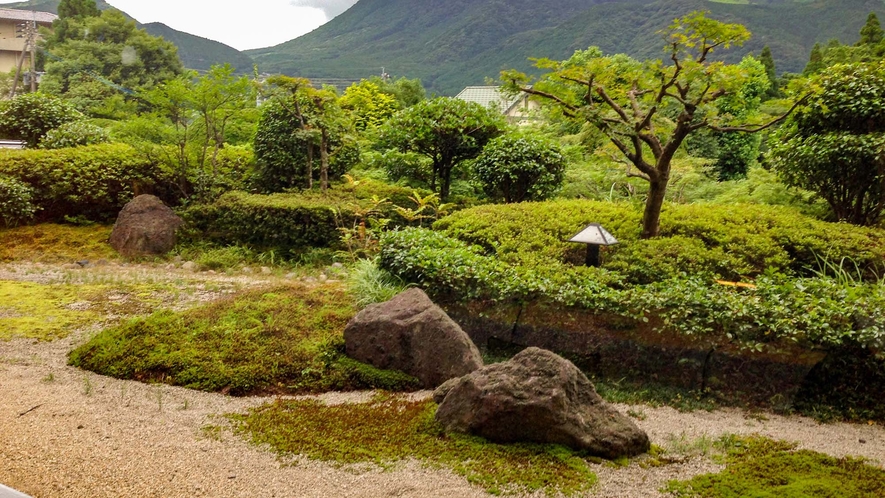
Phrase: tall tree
(871,33)
(767,60)
(834,144)
(446,130)
(815,61)
(77,9)
(97,58)
(647,110)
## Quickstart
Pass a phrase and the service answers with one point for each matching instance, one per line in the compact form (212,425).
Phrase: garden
(740,318)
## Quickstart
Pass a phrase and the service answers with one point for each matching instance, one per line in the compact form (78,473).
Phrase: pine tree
(767,60)
(815,61)
(871,33)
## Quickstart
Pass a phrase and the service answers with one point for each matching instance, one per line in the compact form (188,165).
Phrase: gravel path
(69,433)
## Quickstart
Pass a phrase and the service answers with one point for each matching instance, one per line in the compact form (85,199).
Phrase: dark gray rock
(539,397)
(145,227)
(411,334)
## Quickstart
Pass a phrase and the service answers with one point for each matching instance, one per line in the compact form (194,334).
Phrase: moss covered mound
(389,429)
(285,339)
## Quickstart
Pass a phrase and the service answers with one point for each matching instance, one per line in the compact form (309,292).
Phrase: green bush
(30,116)
(15,202)
(519,168)
(94,182)
(74,134)
(293,222)
(727,241)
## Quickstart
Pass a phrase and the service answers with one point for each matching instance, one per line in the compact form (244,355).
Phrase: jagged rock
(411,334)
(539,397)
(145,227)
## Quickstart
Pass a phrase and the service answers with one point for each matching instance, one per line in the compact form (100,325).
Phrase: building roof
(27,15)
(489,96)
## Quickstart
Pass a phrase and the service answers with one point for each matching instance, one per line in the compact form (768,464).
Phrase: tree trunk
(324,160)
(651,218)
(309,175)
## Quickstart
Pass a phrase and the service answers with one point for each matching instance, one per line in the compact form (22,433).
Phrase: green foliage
(446,130)
(369,284)
(871,33)
(94,181)
(95,57)
(517,254)
(760,467)
(831,145)
(767,60)
(390,429)
(285,340)
(30,116)
(370,106)
(74,134)
(520,168)
(16,207)
(77,9)
(291,223)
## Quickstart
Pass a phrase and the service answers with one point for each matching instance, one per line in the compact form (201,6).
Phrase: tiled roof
(27,15)
(488,96)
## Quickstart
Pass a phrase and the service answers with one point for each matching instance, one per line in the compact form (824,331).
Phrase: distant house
(516,108)
(12,41)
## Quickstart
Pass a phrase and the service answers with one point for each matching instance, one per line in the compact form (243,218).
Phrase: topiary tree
(15,202)
(520,168)
(833,145)
(29,117)
(446,130)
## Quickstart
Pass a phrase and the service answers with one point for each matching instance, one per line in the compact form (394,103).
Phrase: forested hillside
(453,44)
(195,52)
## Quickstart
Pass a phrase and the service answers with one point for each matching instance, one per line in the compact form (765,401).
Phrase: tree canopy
(647,110)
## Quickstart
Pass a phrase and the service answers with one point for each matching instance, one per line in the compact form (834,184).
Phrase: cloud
(331,7)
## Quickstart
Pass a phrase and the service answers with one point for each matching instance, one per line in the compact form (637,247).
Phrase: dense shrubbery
(519,254)
(94,182)
(74,134)
(293,222)
(15,202)
(726,241)
(30,116)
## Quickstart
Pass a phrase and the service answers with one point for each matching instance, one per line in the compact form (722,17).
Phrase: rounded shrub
(74,134)
(30,116)
(15,202)
(519,168)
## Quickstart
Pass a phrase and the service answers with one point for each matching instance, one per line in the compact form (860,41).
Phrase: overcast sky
(242,25)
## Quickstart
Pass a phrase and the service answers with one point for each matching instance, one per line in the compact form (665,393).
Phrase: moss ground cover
(759,467)
(285,339)
(390,428)
(49,243)
(43,312)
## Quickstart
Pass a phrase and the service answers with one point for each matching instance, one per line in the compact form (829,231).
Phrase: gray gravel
(69,433)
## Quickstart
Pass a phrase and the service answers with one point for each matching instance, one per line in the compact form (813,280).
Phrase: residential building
(12,39)
(515,108)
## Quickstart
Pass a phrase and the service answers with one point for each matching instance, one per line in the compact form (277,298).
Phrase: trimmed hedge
(291,222)
(94,182)
(727,241)
(814,312)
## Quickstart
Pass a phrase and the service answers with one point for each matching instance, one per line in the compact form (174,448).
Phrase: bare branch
(745,129)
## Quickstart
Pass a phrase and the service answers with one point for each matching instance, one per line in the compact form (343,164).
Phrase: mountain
(195,52)
(455,43)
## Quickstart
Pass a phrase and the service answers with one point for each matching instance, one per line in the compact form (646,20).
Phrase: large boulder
(411,334)
(538,397)
(145,227)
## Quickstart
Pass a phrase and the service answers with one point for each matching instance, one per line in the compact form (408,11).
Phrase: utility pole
(28,31)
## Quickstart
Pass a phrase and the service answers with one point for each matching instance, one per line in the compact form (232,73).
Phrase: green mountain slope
(457,43)
(195,52)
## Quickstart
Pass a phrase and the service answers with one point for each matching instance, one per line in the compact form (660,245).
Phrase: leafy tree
(407,92)
(833,145)
(647,110)
(77,9)
(767,60)
(95,58)
(296,126)
(871,33)
(520,168)
(370,106)
(815,61)
(29,117)
(446,130)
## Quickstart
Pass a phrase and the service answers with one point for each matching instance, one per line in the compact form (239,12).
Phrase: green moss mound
(286,339)
(389,429)
(758,467)
(49,243)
